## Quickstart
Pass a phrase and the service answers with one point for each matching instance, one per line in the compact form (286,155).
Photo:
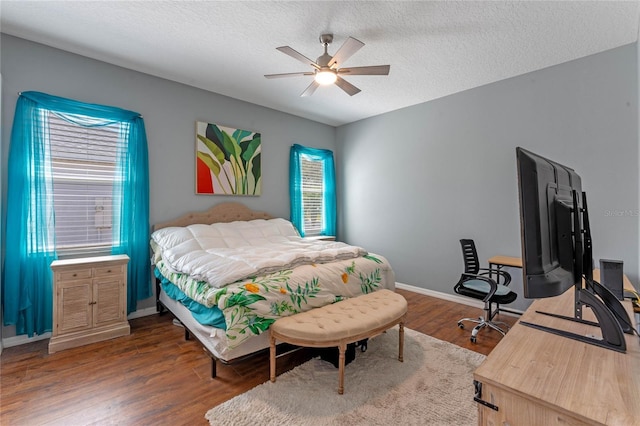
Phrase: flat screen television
(557,248)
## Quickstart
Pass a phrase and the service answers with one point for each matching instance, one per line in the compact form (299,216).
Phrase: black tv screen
(551,245)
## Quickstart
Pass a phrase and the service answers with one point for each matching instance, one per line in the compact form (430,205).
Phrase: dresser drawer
(75,274)
(109,270)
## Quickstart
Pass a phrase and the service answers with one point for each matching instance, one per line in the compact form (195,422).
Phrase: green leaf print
(233,318)
(258,324)
(373,258)
(278,308)
(237,321)
(371,282)
(219,294)
(351,269)
(243,299)
(300,294)
(273,281)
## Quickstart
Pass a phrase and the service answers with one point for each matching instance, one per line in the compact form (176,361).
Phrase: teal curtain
(29,238)
(329,184)
(27,294)
(131,212)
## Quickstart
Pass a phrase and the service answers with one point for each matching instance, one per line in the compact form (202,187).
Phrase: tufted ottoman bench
(339,324)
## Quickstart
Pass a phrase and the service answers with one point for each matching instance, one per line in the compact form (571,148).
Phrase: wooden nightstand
(89,301)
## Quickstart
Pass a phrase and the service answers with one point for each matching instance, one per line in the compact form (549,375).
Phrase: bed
(229,272)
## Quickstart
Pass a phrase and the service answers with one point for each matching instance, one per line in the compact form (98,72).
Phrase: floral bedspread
(251,305)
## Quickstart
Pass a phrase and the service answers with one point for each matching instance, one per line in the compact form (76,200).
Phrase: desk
(539,378)
(500,261)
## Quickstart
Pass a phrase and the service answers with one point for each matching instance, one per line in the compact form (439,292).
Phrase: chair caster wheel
(473,339)
(460,325)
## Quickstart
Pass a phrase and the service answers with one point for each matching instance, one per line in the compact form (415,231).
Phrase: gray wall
(170,111)
(415,181)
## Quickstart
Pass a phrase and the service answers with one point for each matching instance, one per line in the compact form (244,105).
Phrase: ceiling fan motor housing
(326,38)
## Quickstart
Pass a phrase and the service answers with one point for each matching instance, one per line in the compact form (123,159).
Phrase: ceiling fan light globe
(326,77)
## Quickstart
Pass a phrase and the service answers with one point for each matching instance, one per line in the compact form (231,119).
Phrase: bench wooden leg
(272,357)
(401,343)
(342,349)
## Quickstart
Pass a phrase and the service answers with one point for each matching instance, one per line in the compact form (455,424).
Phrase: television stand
(612,318)
(612,335)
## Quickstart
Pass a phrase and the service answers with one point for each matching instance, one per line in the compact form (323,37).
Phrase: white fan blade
(370,70)
(347,87)
(310,89)
(297,55)
(349,47)
(289,74)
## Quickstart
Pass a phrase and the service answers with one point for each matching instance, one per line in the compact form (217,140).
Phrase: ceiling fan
(327,69)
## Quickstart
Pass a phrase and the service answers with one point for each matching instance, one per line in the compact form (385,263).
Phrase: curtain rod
(141,116)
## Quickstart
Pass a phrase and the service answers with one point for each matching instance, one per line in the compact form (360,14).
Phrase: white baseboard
(22,339)
(8,342)
(142,313)
(450,297)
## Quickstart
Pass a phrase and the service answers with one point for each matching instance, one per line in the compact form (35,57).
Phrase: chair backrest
(470,257)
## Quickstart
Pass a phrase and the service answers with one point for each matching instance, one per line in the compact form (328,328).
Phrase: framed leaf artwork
(227,160)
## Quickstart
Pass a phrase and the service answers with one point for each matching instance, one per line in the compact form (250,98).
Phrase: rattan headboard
(225,212)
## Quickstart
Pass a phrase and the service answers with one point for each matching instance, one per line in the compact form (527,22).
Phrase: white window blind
(312,191)
(83,168)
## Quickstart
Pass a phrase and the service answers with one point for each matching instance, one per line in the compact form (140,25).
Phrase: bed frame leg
(401,342)
(214,371)
(159,305)
(272,357)
(187,336)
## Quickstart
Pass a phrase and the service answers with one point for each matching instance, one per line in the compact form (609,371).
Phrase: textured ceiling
(434,48)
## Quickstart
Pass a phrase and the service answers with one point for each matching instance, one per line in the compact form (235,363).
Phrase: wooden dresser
(537,378)
(89,300)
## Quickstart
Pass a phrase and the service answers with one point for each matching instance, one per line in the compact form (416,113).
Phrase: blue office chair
(478,283)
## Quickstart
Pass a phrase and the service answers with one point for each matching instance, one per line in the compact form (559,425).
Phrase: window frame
(300,156)
(61,148)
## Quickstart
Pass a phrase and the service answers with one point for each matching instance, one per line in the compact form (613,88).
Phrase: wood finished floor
(155,377)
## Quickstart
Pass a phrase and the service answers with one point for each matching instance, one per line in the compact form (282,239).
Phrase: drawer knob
(75,275)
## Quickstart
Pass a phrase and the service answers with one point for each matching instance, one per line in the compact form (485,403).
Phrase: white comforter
(223,253)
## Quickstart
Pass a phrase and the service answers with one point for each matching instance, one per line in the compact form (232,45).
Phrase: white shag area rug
(433,386)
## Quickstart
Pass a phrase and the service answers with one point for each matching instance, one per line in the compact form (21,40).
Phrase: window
(77,184)
(83,168)
(312,190)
